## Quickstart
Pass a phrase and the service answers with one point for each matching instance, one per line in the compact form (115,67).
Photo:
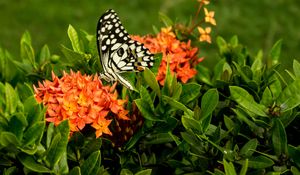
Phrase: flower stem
(195,18)
(194,26)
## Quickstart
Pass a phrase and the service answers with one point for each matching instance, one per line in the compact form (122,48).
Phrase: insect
(117,51)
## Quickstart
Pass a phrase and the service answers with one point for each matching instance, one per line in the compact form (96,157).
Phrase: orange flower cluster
(82,100)
(180,55)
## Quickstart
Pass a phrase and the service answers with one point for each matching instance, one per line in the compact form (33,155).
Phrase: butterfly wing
(117,49)
(132,56)
(110,36)
(118,52)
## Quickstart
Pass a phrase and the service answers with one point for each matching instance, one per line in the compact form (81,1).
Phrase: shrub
(239,117)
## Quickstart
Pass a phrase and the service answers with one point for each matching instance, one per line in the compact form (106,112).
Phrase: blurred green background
(258,23)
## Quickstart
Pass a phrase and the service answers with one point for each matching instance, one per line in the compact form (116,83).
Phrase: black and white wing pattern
(118,52)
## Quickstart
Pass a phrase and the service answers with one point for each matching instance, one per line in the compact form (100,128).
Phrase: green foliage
(233,119)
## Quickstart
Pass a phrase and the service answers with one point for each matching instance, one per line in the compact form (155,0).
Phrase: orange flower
(82,100)
(209,17)
(181,56)
(204,34)
(205,2)
(101,126)
(168,31)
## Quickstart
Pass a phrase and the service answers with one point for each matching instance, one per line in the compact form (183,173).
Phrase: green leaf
(73,58)
(258,162)
(52,157)
(257,64)
(50,134)
(11,99)
(275,87)
(29,150)
(7,66)
(26,38)
(27,51)
(219,69)
(151,81)
(243,98)
(175,138)
(243,71)
(145,109)
(145,96)
(126,172)
(64,130)
(288,117)
(205,123)
(228,123)
(63,167)
(133,140)
(190,123)
(8,138)
(244,168)
(279,138)
(267,99)
(229,168)
(169,78)
(190,92)
(33,133)
(203,74)
(58,144)
(17,124)
(241,115)
(75,171)
(44,54)
(144,172)
(294,154)
(234,41)
(218,172)
(248,149)
(178,105)
(155,30)
(296,68)
(192,140)
(23,67)
(257,67)
(90,163)
(165,19)
(87,42)
(73,36)
(176,89)
(31,164)
(169,123)
(295,171)
(226,72)
(209,102)
(91,146)
(33,111)
(290,96)
(157,62)
(292,76)
(275,52)
(10,171)
(24,91)
(222,45)
(159,138)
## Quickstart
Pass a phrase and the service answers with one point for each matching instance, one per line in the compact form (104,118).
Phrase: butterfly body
(118,52)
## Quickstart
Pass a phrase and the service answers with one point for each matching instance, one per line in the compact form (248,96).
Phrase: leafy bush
(241,117)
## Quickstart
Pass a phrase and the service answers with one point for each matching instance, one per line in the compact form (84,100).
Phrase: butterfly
(117,51)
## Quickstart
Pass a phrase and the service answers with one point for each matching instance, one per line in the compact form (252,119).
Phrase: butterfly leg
(108,77)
